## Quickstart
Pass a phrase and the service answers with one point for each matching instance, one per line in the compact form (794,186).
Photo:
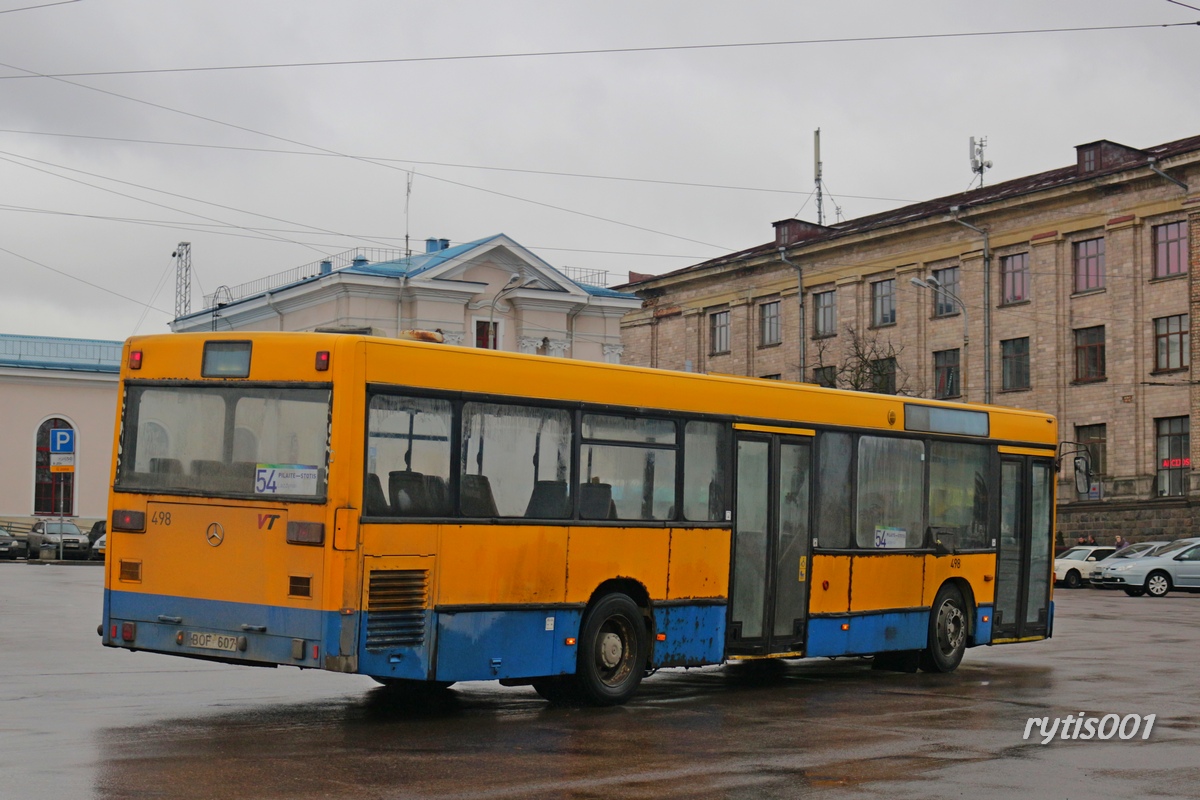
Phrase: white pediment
(495,259)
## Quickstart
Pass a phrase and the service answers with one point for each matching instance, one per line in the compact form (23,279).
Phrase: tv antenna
(817,170)
(978,164)
(407,197)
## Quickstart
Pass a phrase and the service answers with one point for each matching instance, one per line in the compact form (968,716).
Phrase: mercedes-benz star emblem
(215,534)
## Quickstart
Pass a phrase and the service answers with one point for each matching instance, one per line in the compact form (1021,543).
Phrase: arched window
(53,492)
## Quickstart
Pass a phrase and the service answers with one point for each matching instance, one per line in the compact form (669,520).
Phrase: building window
(1174,456)
(53,492)
(1094,439)
(883,376)
(1170,249)
(883,302)
(1171,343)
(718,332)
(482,339)
(1089,265)
(768,323)
(1014,359)
(1089,353)
(945,374)
(775,376)
(825,316)
(825,376)
(1089,159)
(1014,274)
(943,296)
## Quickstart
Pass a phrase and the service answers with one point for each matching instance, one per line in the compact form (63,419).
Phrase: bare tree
(866,364)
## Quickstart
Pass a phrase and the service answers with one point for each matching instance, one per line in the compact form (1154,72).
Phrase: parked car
(46,534)
(1139,550)
(10,546)
(98,547)
(1176,566)
(1075,565)
(98,530)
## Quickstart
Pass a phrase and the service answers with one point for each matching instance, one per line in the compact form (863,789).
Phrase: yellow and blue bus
(426,514)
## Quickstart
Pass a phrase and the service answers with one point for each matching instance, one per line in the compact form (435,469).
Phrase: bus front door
(771,540)
(1025,550)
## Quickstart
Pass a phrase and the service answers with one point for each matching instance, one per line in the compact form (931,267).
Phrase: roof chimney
(360,261)
(326,267)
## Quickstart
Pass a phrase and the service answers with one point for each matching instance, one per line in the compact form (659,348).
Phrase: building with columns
(487,293)
(1069,291)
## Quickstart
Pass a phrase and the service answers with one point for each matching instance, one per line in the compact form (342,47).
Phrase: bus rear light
(129,521)
(131,571)
(322,360)
(306,533)
(316,651)
(128,631)
(135,359)
(114,632)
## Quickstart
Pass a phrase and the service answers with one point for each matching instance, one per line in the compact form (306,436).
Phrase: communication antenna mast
(978,164)
(817,171)
(407,197)
(183,279)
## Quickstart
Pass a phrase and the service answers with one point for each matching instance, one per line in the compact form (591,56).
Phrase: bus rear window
(217,440)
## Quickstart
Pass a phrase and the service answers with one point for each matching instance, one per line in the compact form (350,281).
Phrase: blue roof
(52,352)
(416,264)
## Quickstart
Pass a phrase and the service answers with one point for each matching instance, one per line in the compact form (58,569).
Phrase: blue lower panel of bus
(983,624)
(270,634)
(695,635)
(486,645)
(491,644)
(867,633)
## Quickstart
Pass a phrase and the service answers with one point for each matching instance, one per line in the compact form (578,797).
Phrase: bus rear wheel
(947,632)
(613,649)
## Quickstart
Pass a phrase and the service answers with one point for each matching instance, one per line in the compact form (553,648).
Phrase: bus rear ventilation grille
(396,608)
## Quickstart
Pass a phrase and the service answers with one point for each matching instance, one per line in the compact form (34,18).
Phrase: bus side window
(834,487)
(507,451)
(706,454)
(408,440)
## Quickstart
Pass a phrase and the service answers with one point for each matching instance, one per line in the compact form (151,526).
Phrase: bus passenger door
(769,572)
(1024,552)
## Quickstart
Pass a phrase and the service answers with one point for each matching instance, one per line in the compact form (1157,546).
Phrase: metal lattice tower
(183,279)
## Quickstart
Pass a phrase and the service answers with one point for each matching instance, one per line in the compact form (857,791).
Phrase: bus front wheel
(947,632)
(613,649)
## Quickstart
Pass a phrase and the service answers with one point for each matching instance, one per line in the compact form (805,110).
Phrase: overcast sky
(577,156)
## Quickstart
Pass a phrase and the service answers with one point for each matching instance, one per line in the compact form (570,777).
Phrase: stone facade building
(1068,291)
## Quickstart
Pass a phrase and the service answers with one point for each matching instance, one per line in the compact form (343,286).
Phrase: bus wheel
(947,632)
(613,647)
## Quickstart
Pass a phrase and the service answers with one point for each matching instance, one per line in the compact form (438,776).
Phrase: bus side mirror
(1083,477)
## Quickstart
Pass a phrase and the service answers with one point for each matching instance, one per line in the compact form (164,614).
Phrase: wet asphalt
(78,720)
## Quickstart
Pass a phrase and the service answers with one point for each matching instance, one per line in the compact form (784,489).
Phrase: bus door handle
(170,620)
(255,628)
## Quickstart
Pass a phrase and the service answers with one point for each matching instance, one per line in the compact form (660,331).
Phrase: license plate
(212,641)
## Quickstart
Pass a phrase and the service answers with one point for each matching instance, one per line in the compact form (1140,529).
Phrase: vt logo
(268,520)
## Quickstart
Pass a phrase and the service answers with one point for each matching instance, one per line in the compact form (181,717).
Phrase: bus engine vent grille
(396,608)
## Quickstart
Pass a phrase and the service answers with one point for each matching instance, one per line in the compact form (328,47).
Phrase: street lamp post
(513,280)
(936,286)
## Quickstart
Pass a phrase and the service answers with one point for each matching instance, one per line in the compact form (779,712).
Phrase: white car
(1074,566)
(98,547)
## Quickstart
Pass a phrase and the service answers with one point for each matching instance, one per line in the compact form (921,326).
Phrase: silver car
(1139,550)
(53,536)
(1176,566)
